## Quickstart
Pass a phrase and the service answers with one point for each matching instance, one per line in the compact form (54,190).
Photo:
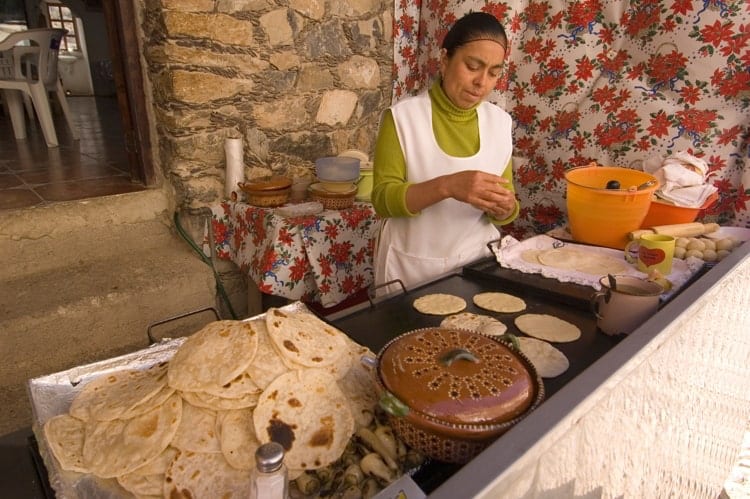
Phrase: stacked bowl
(336,187)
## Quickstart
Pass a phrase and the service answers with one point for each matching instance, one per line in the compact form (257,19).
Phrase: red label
(651,256)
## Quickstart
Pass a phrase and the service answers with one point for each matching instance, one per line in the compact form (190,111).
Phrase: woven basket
(332,200)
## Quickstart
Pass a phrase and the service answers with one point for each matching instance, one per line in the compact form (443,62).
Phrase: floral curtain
(614,82)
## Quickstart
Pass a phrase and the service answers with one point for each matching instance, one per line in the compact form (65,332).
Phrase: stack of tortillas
(190,428)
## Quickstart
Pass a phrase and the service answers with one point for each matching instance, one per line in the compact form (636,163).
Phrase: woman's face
(471,74)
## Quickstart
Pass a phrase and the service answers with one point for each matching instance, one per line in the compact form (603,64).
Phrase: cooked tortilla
(142,486)
(198,475)
(158,465)
(304,339)
(359,389)
(547,327)
(499,302)
(208,401)
(307,413)
(213,356)
(240,386)
(65,435)
(237,438)
(112,448)
(111,396)
(548,361)
(150,403)
(439,304)
(197,430)
(267,364)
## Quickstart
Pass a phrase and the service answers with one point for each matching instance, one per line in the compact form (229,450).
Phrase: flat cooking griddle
(376,325)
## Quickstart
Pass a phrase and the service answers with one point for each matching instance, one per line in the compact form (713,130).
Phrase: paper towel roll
(235,171)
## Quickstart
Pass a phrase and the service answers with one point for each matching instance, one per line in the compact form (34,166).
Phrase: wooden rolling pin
(691,229)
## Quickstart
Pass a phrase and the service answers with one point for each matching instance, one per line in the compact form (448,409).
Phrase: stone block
(314,77)
(188,5)
(232,6)
(313,9)
(195,56)
(199,88)
(282,114)
(359,72)
(355,8)
(281,26)
(304,144)
(336,107)
(217,27)
(284,60)
(325,39)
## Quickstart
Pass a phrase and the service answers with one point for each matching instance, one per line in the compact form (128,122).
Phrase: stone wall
(297,79)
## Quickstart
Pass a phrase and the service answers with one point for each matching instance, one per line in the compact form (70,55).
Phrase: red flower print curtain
(615,82)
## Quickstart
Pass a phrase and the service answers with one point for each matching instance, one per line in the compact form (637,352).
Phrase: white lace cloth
(508,253)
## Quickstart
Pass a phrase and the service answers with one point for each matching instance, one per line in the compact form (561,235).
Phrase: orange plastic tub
(601,216)
(660,213)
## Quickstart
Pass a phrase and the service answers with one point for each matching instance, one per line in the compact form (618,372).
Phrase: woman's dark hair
(474,26)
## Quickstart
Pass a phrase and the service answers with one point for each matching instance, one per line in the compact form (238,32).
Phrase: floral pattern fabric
(322,258)
(613,82)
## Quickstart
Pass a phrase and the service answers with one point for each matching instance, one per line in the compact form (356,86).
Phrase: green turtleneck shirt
(456,131)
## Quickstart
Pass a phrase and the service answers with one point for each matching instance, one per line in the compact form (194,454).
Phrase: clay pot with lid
(267,192)
(449,393)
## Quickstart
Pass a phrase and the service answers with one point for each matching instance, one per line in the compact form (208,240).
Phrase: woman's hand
(484,191)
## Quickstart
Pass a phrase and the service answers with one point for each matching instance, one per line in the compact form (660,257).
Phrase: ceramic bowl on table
(267,192)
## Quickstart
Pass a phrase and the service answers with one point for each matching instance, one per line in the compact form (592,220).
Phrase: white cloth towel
(682,178)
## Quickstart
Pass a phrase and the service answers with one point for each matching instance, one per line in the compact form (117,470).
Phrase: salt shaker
(269,479)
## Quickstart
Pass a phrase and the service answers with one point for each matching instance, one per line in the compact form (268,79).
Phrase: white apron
(448,234)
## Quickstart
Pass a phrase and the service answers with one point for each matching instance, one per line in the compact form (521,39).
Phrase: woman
(442,166)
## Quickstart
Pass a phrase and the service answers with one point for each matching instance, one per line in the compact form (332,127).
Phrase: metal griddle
(382,321)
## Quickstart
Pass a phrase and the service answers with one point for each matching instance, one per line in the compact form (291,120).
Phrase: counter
(659,413)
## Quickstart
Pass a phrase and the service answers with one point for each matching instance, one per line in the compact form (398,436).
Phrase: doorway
(114,153)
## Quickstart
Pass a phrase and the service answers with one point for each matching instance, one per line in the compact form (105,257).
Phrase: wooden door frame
(122,29)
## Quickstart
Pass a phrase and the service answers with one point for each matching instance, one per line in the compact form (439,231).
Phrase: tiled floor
(32,174)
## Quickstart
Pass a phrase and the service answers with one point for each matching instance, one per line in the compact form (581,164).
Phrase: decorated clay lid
(268,183)
(457,376)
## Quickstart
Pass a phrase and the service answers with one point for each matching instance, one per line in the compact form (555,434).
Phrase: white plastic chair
(28,65)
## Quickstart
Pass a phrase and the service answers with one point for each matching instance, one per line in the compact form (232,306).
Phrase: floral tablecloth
(322,258)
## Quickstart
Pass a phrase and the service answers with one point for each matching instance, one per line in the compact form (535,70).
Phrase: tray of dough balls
(183,417)
(712,246)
